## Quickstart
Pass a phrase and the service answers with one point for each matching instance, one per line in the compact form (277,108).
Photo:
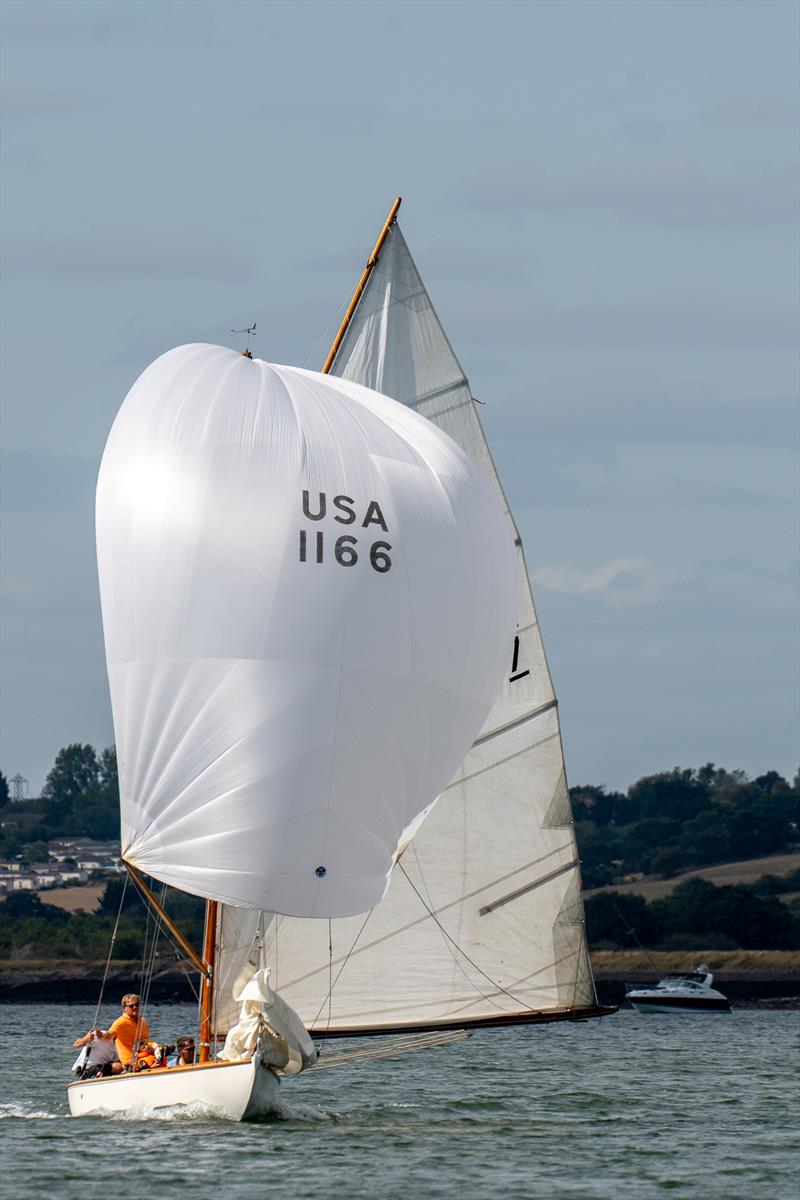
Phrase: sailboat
(366,783)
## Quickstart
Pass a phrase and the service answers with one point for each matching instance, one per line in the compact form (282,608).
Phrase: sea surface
(631,1106)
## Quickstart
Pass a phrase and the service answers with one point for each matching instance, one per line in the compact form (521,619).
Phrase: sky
(602,199)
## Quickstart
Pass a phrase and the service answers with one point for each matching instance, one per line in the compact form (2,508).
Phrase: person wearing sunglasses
(184,1053)
(125,1031)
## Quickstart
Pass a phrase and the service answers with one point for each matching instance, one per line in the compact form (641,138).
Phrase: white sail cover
(483,920)
(266,1023)
(296,575)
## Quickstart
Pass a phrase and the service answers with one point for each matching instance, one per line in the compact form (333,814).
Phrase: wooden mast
(158,908)
(207,992)
(362,283)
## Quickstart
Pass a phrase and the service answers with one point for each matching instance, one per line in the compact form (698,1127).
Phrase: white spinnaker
(283,712)
(483,916)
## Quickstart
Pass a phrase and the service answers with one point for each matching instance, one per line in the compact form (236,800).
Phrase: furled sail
(295,574)
(483,920)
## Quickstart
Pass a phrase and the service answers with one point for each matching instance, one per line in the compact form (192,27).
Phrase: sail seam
(437,393)
(535,712)
(530,887)
(443,412)
(501,761)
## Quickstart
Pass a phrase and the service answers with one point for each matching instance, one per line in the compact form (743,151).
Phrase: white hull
(239,1091)
(691,992)
(646,1006)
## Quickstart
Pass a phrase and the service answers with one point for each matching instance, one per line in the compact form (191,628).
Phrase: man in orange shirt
(126,1030)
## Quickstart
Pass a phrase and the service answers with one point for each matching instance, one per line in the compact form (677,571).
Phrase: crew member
(184,1055)
(124,1032)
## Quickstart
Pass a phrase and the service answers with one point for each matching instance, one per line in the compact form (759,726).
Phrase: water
(631,1106)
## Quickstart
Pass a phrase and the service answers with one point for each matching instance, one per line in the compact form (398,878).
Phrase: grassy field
(652,887)
(75,899)
(724,962)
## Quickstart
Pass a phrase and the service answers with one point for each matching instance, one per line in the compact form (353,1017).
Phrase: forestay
(483,918)
(295,576)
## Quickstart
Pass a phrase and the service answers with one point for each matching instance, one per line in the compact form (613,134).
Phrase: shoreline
(756,978)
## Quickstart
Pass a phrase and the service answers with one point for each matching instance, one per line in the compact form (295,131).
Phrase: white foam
(173,1112)
(22,1113)
(304,1112)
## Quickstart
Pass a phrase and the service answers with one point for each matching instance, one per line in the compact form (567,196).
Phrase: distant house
(87,853)
(44,876)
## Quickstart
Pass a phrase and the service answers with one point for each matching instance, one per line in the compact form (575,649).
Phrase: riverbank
(766,978)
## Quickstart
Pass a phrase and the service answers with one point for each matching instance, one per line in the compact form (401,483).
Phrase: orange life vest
(148,1056)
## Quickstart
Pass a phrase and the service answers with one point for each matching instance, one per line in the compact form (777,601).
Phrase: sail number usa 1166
(315,547)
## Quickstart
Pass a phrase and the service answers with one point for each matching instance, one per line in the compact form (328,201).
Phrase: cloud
(672,193)
(129,254)
(345,119)
(23,99)
(36,481)
(81,24)
(647,132)
(691,320)
(624,579)
(640,409)
(614,492)
(96,25)
(753,110)
(23,157)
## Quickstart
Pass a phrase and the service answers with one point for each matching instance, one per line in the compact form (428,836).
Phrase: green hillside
(651,859)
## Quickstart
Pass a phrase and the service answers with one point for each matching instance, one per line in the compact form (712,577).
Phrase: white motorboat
(690,992)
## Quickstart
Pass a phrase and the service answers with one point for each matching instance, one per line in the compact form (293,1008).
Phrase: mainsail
(483,920)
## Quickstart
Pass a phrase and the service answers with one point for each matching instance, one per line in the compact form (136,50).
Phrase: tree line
(681,819)
(32,928)
(80,798)
(698,915)
(663,824)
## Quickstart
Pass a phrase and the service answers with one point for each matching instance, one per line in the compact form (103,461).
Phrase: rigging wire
(331,985)
(148,966)
(452,946)
(110,952)
(436,920)
(336,318)
(143,977)
(330,972)
(406,1045)
(629,929)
